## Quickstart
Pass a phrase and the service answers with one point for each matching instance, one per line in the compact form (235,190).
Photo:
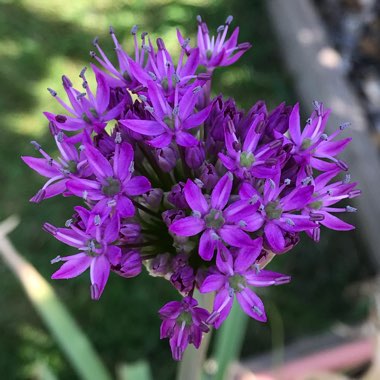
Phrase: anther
(351,209)
(143,35)
(36,145)
(97,220)
(52,92)
(85,194)
(347,178)
(287,181)
(60,136)
(68,223)
(143,98)
(176,78)
(344,126)
(242,223)
(197,214)
(95,41)
(149,109)
(56,260)
(175,111)
(111,30)
(229,20)
(272,184)
(306,181)
(82,73)
(199,19)
(152,75)
(199,183)
(324,137)
(257,311)
(134,30)
(185,43)
(290,222)
(118,138)
(197,89)
(111,203)
(220,29)
(92,54)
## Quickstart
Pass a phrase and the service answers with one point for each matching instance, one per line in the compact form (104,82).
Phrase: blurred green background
(39,41)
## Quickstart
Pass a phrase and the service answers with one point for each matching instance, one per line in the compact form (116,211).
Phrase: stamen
(351,209)
(220,29)
(306,181)
(229,19)
(344,126)
(287,181)
(257,311)
(56,260)
(134,30)
(36,145)
(52,92)
(118,138)
(68,223)
(199,19)
(95,41)
(347,178)
(85,194)
(97,220)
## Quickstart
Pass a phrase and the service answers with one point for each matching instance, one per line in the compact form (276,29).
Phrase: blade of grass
(229,340)
(136,371)
(62,326)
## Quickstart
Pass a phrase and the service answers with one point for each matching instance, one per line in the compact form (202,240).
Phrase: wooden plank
(315,66)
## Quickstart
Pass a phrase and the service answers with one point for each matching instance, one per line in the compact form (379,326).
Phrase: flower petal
(137,186)
(247,256)
(207,245)
(145,127)
(73,267)
(274,237)
(188,226)
(99,273)
(222,191)
(194,197)
(98,163)
(251,304)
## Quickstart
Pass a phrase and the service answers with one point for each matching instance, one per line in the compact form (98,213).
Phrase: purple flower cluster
(199,191)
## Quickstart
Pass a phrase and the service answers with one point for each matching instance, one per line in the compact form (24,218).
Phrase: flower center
(169,122)
(306,144)
(316,205)
(237,282)
(246,159)
(93,246)
(214,219)
(273,211)
(112,187)
(72,166)
(185,317)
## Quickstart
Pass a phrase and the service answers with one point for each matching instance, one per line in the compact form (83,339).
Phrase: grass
(40,41)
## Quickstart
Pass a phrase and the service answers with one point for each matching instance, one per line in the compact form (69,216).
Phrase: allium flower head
(200,192)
